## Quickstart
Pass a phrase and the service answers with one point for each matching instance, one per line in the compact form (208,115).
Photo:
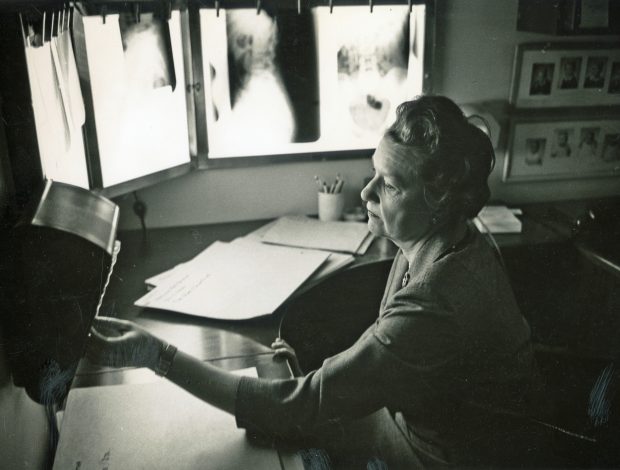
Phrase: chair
(330,316)
(584,422)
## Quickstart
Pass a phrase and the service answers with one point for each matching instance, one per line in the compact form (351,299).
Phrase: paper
(497,219)
(234,281)
(156,426)
(335,262)
(61,145)
(304,232)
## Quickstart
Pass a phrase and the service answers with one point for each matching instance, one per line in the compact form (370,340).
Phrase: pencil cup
(331,206)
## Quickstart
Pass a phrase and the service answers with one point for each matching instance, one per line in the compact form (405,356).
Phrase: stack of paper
(344,237)
(498,219)
(233,281)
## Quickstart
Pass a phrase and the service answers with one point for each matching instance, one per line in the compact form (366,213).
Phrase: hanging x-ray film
(312,82)
(140,112)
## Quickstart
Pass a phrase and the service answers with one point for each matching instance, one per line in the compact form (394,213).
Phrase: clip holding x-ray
(410,5)
(217,8)
(299,7)
(331,6)
(104,12)
(136,12)
(258,7)
(371,5)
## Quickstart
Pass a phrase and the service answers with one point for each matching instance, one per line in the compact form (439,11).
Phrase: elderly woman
(445,368)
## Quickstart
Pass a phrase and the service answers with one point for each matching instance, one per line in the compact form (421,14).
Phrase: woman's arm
(119,343)
(207,382)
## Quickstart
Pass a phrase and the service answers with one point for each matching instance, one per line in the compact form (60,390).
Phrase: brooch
(405,279)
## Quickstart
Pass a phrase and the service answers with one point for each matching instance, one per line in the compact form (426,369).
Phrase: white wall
(475,47)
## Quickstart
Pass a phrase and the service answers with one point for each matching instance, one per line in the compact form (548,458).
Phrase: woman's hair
(452,157)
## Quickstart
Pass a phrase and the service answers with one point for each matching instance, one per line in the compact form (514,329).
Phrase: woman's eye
(389,187)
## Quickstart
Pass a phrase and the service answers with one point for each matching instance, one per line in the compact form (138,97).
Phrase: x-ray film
(313,82)
(262,88)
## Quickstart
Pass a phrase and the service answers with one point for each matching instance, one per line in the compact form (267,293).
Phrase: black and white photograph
(563,146)
(565,74)
(542,75)
(614,78)
(309,235)
(535,151)
(570,69)
(596,68)
(611,148)
(589,145)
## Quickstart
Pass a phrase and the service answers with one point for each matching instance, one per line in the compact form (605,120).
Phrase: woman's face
(394,197)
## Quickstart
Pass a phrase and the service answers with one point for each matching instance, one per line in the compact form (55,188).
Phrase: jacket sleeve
(381,368)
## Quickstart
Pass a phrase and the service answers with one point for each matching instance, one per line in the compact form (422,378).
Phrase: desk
(230,345)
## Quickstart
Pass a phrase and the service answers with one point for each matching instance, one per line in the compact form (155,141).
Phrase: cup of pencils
(331,198)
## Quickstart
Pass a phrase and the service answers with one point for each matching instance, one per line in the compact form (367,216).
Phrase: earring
(435,218)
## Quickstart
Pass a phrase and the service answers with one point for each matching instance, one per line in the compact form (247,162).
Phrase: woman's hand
(120,343)
(281,349)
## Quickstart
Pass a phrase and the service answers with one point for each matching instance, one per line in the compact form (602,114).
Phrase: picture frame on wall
(545,148)
(547,75)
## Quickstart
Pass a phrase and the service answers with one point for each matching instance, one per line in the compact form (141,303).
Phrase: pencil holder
(331,206)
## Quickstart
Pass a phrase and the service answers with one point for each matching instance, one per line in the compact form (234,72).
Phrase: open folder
(234,281)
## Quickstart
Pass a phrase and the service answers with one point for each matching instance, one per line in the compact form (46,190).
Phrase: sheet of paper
(312,233)
(235,281)
(365,244)
(335,262)
(157,426)
(497,219)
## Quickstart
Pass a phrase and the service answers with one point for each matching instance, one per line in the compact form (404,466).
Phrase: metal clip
(331,6)
(410,5)
(299,7)
(104,12)
(217,8)
(136,12)
(371,5)
(258,7)
(21,22)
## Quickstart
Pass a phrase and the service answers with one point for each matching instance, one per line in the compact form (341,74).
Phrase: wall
(475,47)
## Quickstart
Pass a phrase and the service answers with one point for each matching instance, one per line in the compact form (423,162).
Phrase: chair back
(329,317)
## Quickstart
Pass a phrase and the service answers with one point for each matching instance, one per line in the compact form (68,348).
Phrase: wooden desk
(231,345)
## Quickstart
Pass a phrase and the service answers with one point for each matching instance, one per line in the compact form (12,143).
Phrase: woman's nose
(368,192)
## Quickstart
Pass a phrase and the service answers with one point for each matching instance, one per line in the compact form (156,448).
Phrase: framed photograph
(570,74)
(543,148)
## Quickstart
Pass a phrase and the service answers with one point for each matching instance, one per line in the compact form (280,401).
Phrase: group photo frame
(543,148)
(547,75)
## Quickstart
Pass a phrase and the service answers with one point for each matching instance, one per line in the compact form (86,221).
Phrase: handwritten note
(234,281)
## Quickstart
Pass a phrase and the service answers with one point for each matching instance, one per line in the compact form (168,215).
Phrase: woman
(448,361)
